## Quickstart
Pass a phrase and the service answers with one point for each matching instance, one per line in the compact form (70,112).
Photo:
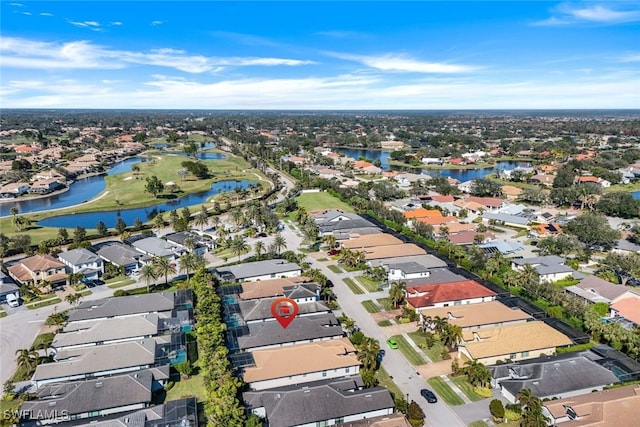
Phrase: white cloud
(154,23)
(23,53)
(17,4)
(115,23)
(91,25)
(46,14)
(400,63)
(566,14)
(635,57)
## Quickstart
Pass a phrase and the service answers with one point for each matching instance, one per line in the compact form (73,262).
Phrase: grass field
(385,303)
(434,352)
(126,190)
(43,340)
(384,323)
(408,351)
(352,285)
(478,423)
(444,391)
(385,380)
(121,283)
(370,306)
(193,386)
(44,303)
(334,268)
(321,200)
(463,384)
(368,283)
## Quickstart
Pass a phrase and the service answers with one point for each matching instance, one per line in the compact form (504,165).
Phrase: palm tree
(529,275)
(57,319)
(148,275)
(279,243)
(396,293)
(163,267)
(239,246)
(477,373)
(187,264)
(190,243)
(158,221)
(27,359)
(259,249)
(367,352)
(14,211)
(202,218)
(452,334)
(330,240)
(237,216)
(73,299)
(310,232)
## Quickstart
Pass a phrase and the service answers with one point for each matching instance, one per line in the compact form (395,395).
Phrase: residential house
(361,166)
(77,400)
(466,187)
(625,247)
(550,268)
(512,342)
(407,270)
(519,221)
(106,331)
(505,247)
(123,256)
(168,304)
(270,287)
(594,289)
(33,270)
(477,316)
(545,230)
(447,294)
(542,179)
(14,189)
(302,330)
(432,161)
(370,240)
(303,363)
(469,205)
(437,221)
(155,247)
(618,407)
(191,242)
(549,377)
(391,145)
(511,192)
(259,270)
(421,213)
(491,203)
(95,361)
(429,261)
(83,261)
(436,276)
(466,238)
(331,402)
(626,308)
(44,186)
(593,180)
(392,251)
(259,310)
(7,286)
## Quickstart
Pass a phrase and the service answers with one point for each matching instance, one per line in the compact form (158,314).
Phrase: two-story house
(33,270)
(83,261)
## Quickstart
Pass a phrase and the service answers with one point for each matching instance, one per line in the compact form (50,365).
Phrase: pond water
(90,219)
(81,190)
(461,175)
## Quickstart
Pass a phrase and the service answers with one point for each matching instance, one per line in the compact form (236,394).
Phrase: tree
(79,235)
(202,218)
(148,275)
(624,266)
(593,229)
(63,235)
(451,335)
(485,187)
(185,368)
(22,242)
(182,173)
(564,177)
(73,299)
(57,319)
(415,414)
(163,267)
(21,222)
(477,373)
(259,249)
(239,246)
(121,226)
(154,186)
(532,405)
(396,293)
(619,203)
(27,360)
(497,410)
(367,352)
(158,221)
(279,243)
(102,229)
(14,211)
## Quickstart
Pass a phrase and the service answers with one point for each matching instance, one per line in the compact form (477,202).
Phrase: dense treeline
(222,407)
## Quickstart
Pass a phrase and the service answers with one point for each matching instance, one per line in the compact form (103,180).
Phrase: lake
(90,219)
(461,175)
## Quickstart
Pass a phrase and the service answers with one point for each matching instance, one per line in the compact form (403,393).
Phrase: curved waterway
(90,219)
(81,190)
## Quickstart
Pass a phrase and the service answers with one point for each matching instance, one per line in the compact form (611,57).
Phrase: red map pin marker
(284,310)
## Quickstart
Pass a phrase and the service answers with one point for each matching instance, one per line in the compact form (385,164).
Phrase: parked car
(392,343)
(97,282)
(380,355)
(333,252)
(13,300)
(429,395)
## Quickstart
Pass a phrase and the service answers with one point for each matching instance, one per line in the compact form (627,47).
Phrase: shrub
(445,354)
(120,293)
(482,391)
(514,407)
(497,409)
(512,415)
(169,386)
(356,338)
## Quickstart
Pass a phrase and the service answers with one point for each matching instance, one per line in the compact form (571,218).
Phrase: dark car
(329,284)
(382,352)
(429,395)
(97,282)
(333,252)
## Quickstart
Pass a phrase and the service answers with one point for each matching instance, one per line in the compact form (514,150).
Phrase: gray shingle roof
(439,275)
(87,396)
(78,256)
(99,358)
(293,407)
(260,309)
(156,247)
(507,218)
(301,328)
(122,306)
(553,376)
(428,261)
(408,267)
(258,268)
(119,254)
(597,289)
(119,328)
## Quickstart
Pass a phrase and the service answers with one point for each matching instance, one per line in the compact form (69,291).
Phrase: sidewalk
(416,348)
(455,389)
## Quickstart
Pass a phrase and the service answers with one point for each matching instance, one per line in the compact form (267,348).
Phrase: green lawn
(370,306)
(334,268)
(33,306)
(444,391)
(408,351)
(321,200)
(43,340)
(478,423)
(2,314)
(384,323)
(194,386)
(385,381)
(369,284)
(464,385)
(435,352)
(385,303)
(352,285)
(121,283)
(323,259)
(85,293)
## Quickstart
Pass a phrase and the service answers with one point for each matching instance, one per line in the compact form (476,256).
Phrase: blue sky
(320,55)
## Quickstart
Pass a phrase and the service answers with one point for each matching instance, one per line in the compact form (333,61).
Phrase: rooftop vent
(99,384)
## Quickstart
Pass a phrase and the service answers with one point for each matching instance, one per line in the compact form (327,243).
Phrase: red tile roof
(429,295)
(487,201)
(442,199)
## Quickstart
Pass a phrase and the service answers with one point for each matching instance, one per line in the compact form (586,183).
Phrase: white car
(13,300)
